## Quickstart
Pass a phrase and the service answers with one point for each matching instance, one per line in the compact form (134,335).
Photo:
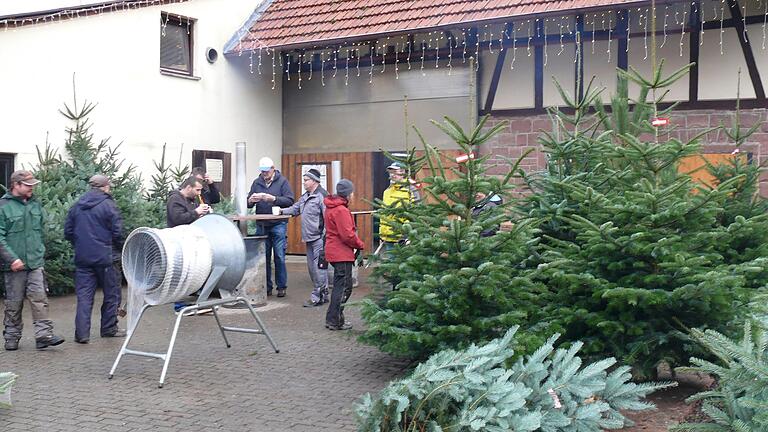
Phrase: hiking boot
(311,303)
(117,333)
(345,326)
(281,292)
(48,341)
(11,344)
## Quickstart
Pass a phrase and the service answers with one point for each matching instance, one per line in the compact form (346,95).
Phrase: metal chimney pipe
(240,179)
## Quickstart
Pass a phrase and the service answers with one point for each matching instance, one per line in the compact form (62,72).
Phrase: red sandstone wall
(522,134)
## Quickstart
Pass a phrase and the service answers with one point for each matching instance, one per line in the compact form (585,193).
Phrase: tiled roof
(306,22)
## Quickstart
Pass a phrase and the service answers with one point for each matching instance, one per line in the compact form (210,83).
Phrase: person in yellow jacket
(398,192)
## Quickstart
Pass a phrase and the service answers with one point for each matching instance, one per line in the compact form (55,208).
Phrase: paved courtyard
(311,385)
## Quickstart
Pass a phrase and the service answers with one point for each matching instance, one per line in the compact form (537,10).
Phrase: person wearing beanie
(271,189)
(310,206)
(95,229)
(341,240)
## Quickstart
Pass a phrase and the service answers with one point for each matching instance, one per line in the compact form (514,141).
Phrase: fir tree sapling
(739,403)
(456,285)
(477,390)
(64,177)
(634,251)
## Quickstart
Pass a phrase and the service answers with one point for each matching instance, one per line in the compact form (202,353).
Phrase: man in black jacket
(184,206)
(271,189)
(210,193)
(94,226)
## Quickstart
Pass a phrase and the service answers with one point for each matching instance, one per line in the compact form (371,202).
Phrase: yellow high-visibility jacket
(394,196)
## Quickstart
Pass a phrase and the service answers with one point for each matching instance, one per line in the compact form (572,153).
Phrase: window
(176,44)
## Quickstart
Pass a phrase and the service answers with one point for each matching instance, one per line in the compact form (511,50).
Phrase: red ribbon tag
(660,121)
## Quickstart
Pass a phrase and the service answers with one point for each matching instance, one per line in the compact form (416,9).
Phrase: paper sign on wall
(215,169)
(323,168)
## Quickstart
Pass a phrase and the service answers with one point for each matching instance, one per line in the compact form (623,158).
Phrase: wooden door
(355,167)
(203,158)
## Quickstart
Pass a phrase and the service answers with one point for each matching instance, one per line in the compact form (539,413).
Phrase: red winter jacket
(341,240)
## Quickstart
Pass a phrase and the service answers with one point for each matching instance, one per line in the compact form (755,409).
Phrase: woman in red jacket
(341,240)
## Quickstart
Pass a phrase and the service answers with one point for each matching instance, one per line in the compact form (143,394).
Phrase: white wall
(115,59)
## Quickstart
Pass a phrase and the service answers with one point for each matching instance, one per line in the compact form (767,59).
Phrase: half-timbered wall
(721,38)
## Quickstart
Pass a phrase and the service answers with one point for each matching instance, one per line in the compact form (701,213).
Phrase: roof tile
(307,22)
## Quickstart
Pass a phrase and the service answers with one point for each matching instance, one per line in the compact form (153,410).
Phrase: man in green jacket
(21,253)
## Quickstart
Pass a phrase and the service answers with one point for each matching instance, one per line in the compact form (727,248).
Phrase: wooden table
(242,221)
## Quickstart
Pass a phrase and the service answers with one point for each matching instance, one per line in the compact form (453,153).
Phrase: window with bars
(176,44)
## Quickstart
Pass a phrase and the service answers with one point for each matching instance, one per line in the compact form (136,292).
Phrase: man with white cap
(271,189)
(95,229)
(22,251)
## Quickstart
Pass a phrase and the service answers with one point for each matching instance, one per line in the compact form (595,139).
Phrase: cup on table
(276,210)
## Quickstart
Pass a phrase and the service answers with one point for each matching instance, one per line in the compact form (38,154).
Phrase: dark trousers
(87,279)
(342,290)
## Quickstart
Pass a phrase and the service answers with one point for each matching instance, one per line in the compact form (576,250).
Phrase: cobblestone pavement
(311,385)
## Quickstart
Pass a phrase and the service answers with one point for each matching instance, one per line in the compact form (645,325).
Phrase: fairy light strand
(514,47)
(682,34)
(666,15)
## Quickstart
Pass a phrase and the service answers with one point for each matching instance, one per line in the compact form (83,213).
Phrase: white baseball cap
(266,164)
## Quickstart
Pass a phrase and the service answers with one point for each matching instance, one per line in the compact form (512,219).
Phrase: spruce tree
(739,402)
(635,252)
(482,389)
(455,283)
(64,177)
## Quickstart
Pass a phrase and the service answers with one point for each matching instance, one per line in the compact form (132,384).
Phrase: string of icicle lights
(81,12)
(459,43)
(453,47)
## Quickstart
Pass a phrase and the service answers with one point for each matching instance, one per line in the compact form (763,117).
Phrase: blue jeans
(276,244)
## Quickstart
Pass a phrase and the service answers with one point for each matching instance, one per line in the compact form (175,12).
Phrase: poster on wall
(322,168)
(215,169)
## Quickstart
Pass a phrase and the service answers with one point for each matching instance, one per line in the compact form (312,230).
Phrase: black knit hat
(313,174)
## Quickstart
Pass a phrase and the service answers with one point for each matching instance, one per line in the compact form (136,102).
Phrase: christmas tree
(64,177)
(458,278)
(633,251)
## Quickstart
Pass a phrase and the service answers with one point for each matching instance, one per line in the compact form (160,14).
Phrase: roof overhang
(251,37)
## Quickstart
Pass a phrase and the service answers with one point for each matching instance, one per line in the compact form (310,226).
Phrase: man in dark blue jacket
(271,189)
(94,227)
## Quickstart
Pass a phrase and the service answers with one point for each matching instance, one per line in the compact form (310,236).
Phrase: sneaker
(311,303)
(48,341)
(82,341)
(345,326)
(117,333)
(269,293)
(11,344)
(281,292)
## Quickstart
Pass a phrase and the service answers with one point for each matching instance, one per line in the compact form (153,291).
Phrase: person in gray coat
(310,206)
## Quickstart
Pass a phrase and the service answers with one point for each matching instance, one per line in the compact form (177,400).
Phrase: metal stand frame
(210,304)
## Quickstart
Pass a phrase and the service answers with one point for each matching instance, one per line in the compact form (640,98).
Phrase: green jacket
(21,232)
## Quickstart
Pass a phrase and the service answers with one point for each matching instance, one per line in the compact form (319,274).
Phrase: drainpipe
(240,182)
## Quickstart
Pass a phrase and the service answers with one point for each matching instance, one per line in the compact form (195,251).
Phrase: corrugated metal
(308,22)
